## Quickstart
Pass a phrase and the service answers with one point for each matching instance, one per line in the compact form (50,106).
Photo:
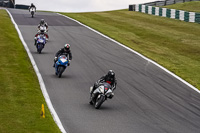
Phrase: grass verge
(171,43)
(193,6)
(20,94)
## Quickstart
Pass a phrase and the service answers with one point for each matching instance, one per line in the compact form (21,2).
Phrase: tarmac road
(147,99)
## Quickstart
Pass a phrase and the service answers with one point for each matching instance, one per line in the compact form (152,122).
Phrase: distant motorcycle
(101,94)
(40,43)
(61,65)
(32,10)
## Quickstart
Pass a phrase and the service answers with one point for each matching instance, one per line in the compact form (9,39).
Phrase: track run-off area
(147,99)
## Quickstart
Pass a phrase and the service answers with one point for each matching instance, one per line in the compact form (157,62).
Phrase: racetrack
(147,99)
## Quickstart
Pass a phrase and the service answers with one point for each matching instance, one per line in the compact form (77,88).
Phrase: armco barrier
(170,13)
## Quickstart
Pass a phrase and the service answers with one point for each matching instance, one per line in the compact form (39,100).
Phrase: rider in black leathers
(32,6)
(63,51)
(109,78)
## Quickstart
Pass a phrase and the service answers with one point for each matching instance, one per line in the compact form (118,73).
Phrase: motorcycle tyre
(91,103)
(32,14)
(60,71)
(99,102)
(40,49)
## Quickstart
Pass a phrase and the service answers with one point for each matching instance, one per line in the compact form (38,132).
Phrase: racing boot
(111,95)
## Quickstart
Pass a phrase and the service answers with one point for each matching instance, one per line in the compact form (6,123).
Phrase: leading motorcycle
(32,10)
(100,94)
(61,64)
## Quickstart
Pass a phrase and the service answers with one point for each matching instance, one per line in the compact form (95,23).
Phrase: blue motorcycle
(61,65)
(41,41)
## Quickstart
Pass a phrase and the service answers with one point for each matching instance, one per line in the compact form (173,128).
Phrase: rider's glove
(55,58)
(68,62)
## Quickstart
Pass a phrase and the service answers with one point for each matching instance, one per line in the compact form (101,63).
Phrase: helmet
(42,21)
(67,46)
(111,74)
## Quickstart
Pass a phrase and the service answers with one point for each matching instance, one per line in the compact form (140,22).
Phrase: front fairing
(32,9)
(104,88)
(62,60)
(41,40)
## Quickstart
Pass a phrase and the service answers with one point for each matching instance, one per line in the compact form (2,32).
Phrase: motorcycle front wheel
(39,48)
(99,102)
(32,14)
(60,71)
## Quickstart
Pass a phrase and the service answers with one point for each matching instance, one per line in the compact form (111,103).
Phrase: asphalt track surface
(147,99)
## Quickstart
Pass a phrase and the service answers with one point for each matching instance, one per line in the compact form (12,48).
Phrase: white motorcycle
(32,10)
(100,94)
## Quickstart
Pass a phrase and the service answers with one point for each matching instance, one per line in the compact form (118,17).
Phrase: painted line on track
(149,60)
(41,82)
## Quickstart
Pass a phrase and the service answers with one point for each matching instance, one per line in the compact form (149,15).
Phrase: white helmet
(67,46)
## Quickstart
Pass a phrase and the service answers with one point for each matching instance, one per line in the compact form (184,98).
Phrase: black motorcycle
(102,92)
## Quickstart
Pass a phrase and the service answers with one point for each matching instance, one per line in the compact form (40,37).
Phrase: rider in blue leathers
(63,51)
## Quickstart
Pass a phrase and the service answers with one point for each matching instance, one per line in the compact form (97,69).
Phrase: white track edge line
(41,82)
(149,60)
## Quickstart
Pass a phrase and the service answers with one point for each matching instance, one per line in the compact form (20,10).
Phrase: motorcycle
(102,92)
(61,64)
(32,10)
(40,43)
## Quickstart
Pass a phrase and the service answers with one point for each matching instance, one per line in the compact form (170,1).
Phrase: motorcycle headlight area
(63,60)
(40,41)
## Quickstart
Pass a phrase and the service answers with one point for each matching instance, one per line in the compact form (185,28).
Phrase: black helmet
(67,47)
(111,74)
(42,21)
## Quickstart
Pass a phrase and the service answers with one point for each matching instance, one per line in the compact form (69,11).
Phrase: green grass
(20,94)
(193,6)
(171,43)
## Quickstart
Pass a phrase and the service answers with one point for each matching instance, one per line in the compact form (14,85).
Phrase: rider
(109,78)
(38,35)
(43,23)
(63,51)
(32,6)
